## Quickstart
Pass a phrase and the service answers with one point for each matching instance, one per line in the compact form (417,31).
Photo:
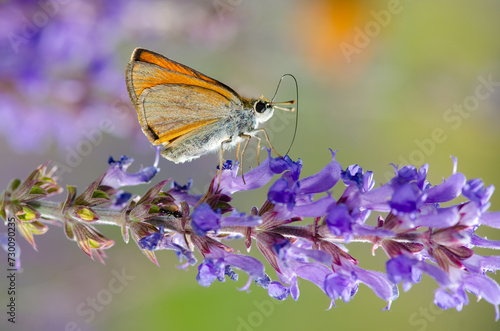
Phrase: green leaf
(27,214)
(87,214)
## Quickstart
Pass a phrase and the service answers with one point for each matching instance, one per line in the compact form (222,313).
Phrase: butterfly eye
(260,106)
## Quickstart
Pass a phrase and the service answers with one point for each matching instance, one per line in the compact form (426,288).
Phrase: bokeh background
(380,81)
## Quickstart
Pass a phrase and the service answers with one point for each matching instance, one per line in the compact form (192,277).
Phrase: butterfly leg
(238,152)
(221,159)
(268,141)
(258,151)
(247,137)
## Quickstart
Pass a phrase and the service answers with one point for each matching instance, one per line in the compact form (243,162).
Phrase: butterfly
(189,113)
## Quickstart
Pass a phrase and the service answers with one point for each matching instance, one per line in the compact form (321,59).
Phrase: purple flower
(210,270)
(446,300)
(281,193)
(228,165)
(219,263)
(407,198)
(419,235)
(181,193)
(322,181)
(438,217)
(340,222)
(340,286)
(483,242)
(282,164)
(232,182)
(150,242)
(354,175)
(480,285)
(409,271)
(117,175)
(177,243)
(477,264)
(295,198)
(205,219)
(281,292)
(446,191)
(263,281)
(176,187)
(240,219)
(491,219)
(120,199)
(474,190)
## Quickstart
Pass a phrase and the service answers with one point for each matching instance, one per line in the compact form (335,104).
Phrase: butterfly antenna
(287,103)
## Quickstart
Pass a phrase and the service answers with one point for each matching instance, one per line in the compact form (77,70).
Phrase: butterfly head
(264,109)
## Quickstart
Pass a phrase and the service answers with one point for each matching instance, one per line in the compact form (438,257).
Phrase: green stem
(52,210)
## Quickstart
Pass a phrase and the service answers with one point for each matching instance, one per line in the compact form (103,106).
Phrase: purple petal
(278,291)
(323,180)
(491,219)
(338,285)
(484,287)
(354,175)
(435,272)
(477,264)
(406,174)
(379,283)
(116,176)
(182,188)
(150,242)
(446,191)
(366,230)
(281,193)
(314,272)
(210,270)
(407,198)
(204,219)
(421,177)
(447,300)
(400,269)
(181,193)
(317,208)
(403,268)
(377,199)
(470,213)
(340,222)
(439,218)
(294,290)
(473,190)
(263,281)
(249,264)
(231,182)
(282,164)
(120,200)
(300,253)
(483,242)
(237,219)
(182,252)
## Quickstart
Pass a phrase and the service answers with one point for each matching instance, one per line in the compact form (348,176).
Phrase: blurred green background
(380,81)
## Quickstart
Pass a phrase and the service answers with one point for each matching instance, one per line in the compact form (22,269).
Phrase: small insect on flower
(191,114)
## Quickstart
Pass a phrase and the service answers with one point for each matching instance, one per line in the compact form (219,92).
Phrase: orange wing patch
(143,55)
(148,69)
(167,112)
(178,132)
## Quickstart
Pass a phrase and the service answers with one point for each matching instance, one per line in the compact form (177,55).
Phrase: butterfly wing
(169,111)
(172,99)
(147,69)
